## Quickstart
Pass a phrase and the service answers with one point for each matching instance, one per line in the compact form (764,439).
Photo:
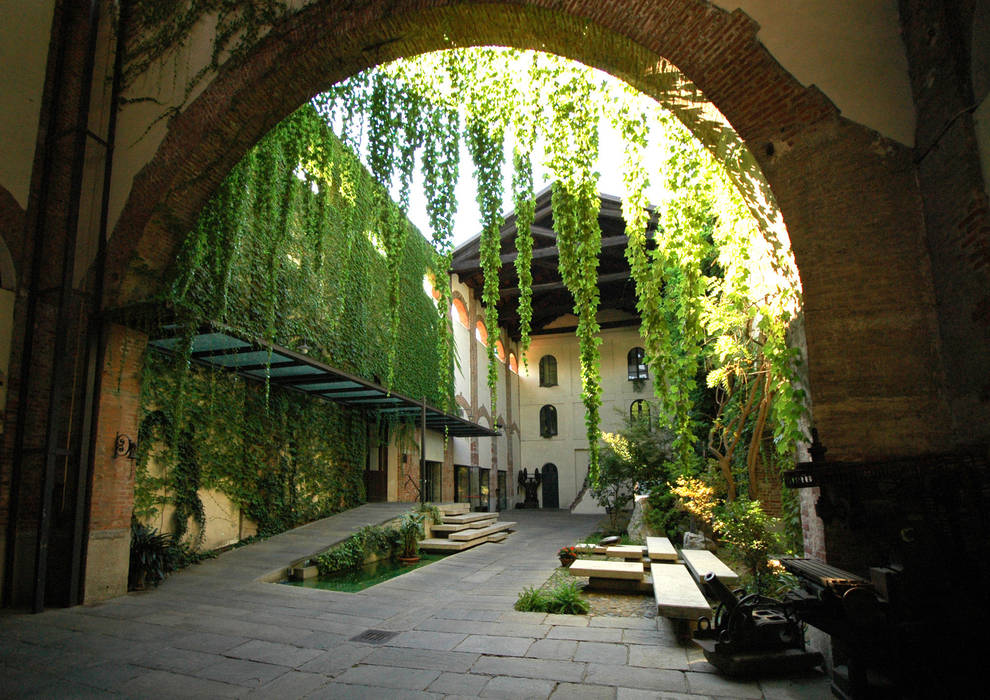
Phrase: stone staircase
(462,529)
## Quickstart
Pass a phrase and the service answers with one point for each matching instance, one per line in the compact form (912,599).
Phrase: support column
(111,501)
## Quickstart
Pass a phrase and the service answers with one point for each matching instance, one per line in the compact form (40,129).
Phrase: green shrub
(531,600)
(351,553)
(565,599)
(153,555)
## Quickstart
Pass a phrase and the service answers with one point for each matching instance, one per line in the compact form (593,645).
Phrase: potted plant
(410,533)
(152,556)
(567,556)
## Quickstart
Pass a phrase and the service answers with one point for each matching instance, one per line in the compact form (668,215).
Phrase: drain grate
(373,637)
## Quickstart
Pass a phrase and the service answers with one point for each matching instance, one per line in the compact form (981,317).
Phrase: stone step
(456,527)
(660,549)
(439,545)
(454,508)
(467,518)
(465,535)
(676,594)
(594,568)
(700,561)
(498,536)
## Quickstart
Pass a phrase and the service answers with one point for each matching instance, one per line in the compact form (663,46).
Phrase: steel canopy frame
(219,347)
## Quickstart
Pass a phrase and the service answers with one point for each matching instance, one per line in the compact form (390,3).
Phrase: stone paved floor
(215,630)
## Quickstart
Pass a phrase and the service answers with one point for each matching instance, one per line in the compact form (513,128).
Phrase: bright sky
(467,223)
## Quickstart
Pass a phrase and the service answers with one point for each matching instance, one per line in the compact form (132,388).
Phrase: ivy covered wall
(289,249)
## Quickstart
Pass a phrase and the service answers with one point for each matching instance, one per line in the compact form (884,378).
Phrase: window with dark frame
(548,421)
(548,370)
(636,362)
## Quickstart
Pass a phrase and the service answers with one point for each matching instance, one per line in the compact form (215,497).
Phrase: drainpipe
(422,451)
(65,288)
(52,107)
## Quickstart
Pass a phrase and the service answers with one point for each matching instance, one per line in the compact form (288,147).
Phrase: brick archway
(847,194)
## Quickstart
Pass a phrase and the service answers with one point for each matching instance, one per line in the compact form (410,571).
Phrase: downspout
(53,99)
(422,451)
(96,336)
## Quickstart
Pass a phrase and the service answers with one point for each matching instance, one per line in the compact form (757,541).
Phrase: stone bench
(630,552)
(594,568)
(700,561)
(676,593)
(660,549)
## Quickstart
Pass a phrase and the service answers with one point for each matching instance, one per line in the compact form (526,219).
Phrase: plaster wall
(568,449)
(24,32)
(851,50)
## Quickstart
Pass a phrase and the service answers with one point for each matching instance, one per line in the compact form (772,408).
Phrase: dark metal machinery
(752,634)
(910,622)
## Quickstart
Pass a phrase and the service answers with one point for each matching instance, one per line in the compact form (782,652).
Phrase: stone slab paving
(219,630)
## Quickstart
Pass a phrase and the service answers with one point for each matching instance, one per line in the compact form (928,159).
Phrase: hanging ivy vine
(256,261)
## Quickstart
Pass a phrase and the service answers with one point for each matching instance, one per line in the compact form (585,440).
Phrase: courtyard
(217,629)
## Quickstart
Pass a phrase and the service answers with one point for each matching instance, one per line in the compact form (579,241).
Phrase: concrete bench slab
(677,595)
(589,548)
(700,561)
(440,545)
(454,508)
(467,518)
(608,569)
(660,549)
(457,527)
(472,534)
(632,552)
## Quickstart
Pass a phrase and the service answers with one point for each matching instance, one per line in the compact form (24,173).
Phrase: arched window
(513,363)
(481,333)
(636,361)
(500,350)
(548,421)
(548,370)
(639,410)
(459,311)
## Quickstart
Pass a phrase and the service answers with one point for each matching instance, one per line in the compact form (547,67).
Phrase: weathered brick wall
(879,356)
(849,196)
(112,480)
(937,35)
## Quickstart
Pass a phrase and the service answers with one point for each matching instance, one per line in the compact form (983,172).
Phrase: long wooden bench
(676,593)
(700,561)
(660,549)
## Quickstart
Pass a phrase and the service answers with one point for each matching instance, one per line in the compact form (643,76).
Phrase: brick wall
(937,35)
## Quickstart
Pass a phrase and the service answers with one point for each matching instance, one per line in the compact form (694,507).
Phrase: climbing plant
(288,251)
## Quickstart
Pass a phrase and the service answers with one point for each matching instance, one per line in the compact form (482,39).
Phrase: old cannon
(752,634)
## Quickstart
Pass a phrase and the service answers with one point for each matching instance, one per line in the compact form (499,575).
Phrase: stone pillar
(112,483)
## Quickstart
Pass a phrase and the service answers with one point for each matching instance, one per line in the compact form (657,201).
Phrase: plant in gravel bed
(531,600)
(565,599)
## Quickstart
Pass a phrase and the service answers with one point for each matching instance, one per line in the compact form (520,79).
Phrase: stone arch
(459,308)
(813,159)
(462,402)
